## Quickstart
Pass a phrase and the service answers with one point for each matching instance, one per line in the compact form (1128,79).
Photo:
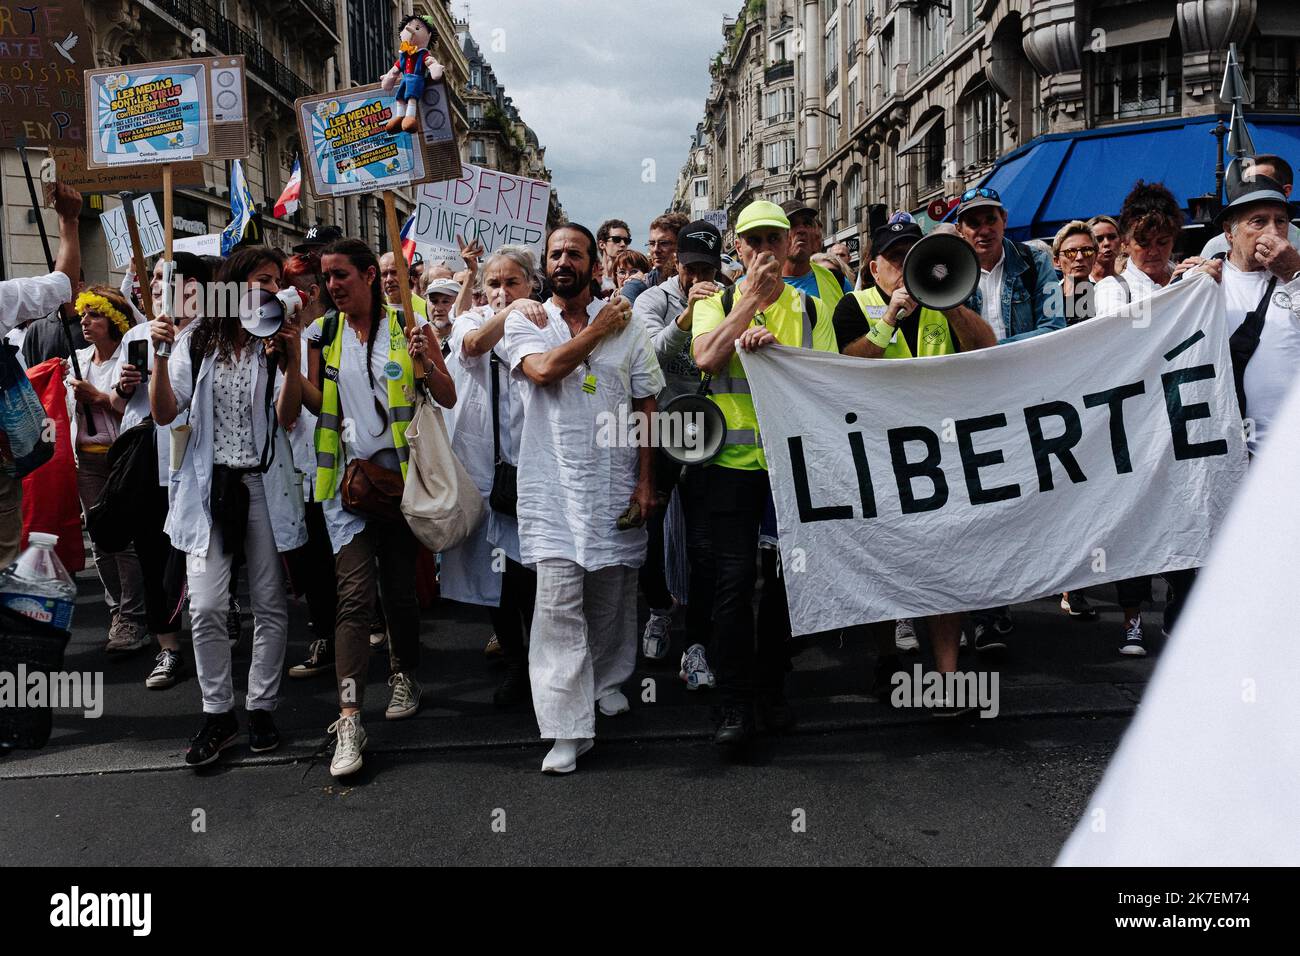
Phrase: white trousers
(209,581)
(583,643)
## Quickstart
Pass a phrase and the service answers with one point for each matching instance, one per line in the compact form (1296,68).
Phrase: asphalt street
(857,782)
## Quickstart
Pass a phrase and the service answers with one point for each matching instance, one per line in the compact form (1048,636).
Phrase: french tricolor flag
(408,244)
(287,204)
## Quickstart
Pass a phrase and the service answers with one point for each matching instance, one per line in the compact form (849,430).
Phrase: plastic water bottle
(38,586)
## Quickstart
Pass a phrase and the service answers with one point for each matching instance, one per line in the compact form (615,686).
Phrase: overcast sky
(607,85)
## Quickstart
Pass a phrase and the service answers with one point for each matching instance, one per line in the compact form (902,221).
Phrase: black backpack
(132,470)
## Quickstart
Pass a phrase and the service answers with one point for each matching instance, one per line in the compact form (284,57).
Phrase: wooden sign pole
(403,275)
(137,257)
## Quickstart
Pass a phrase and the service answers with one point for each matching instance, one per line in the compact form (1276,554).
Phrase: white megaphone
(263,313)
(941,271)
(692,428)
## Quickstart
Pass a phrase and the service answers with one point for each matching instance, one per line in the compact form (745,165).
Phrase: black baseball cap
(317,237)
(700,242)
(889,235)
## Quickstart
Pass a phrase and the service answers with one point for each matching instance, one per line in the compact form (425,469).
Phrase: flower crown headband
(97,303)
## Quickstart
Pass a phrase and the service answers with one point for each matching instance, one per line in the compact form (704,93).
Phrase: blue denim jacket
(1026,313)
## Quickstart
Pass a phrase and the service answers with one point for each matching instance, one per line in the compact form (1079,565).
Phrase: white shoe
(1133,646)
(695,668)
(905,637)
(657,639)
(406,697)
(613,704)
(563,757)
(347,749)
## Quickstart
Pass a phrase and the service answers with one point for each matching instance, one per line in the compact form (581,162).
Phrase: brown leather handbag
(372,491)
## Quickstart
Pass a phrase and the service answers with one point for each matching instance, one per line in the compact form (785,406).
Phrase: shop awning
(1055,178)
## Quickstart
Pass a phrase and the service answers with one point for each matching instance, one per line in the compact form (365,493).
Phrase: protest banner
(493,207)
(117,231)
(717,218)
(47,46)
(1103,451)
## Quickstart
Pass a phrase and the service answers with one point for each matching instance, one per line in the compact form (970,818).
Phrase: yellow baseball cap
(759,214)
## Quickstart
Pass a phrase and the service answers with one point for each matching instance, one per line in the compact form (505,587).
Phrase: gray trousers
(209,581)
(119,571)
(583,643)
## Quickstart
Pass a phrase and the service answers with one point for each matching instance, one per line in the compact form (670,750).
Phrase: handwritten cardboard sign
(147,221)
(45,47)
(70,166)
(493,207)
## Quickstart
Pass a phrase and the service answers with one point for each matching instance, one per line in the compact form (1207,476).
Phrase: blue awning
(1055,178)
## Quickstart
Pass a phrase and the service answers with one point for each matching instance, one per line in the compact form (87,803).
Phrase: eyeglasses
(663,244)
(983,192)
(624,240)
(1086,253)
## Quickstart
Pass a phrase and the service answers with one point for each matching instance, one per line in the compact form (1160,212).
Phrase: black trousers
(162,591)
(513,617)
(747,660)
(311,569)
(1134,592)
(694,493)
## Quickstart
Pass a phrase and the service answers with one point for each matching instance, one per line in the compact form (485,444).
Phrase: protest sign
(47,46)
(717,217)
(70,165)
(167,112)
(493,207)
(152,234)
(1103,451)
(208,245)
(346,148)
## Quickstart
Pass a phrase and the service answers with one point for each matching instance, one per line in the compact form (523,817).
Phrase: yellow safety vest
(829,289)
(401,398)
(789,320)
(933,336)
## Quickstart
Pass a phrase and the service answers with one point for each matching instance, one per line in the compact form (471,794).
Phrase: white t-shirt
(15,338)
(574,482)
(104,424)
(1109,294)
(1272,369)
(991,292)
(137,406)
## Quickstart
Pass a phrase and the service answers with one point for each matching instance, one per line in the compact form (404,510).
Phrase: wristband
(881,335)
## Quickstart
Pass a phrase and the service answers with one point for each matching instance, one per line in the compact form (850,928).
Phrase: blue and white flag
(241,209)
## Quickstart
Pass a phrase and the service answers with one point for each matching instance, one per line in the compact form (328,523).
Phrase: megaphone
(263,313)
(692,428)
(941,271)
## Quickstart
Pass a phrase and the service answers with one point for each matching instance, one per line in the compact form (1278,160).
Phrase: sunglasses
(1076,253)
(981,191)
(620,239)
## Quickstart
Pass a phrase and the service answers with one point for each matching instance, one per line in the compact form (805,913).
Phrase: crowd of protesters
(252,438)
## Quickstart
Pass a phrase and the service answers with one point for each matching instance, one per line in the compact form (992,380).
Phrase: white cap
(442,287)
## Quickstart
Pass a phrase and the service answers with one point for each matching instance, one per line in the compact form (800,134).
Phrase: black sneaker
(735,726)
(219,732)
(986,638)
(515,689)
(1003,624)
(320,660)
(262,735)
(775,712)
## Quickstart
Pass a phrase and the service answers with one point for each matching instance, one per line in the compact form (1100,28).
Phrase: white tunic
(573,482)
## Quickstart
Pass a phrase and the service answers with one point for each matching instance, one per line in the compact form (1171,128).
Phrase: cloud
(607,87)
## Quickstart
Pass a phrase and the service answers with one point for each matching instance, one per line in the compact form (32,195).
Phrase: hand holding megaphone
(291,299)
(900,303)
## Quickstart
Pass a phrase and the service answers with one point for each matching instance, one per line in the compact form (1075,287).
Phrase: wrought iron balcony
(779,71)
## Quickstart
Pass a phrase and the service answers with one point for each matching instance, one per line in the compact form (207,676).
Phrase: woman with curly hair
(1150,223)
(105,318)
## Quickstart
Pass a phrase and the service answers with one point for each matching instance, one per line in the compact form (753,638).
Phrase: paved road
(876,785)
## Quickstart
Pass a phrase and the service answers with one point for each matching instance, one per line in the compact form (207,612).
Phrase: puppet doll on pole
(409,70)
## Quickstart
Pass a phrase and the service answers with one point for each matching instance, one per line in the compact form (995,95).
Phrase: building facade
(897,103)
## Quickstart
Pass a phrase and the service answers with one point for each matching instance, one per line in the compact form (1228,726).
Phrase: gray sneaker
(406,697)
(695,669)
(124,636)
(166,670)
(347,749)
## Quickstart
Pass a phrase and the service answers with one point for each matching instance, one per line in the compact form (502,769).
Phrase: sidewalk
(1054,666)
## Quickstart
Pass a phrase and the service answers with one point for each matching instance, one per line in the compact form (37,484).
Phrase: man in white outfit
(586,368)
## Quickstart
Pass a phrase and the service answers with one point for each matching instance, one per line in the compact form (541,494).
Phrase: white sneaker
(406,697)
(695,669)
(1133,646)
(905,637)
(347,749)
(563,757)
(655,641)
(613,704)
